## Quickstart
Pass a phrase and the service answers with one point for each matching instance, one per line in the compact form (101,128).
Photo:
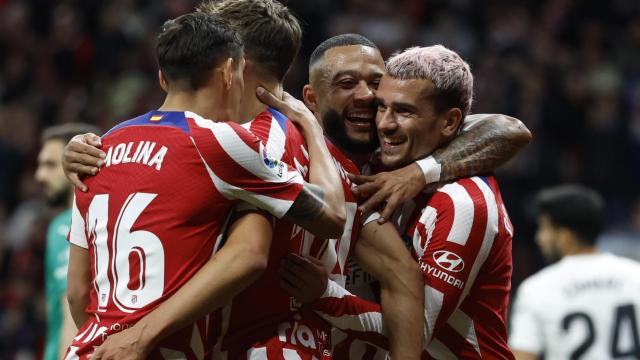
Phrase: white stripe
(290,354)
(276,140)
(72,353)
(217,352)
(277,207)
(368,321)
(463,213)
(77,235)
(169,354)
(433,300)
(197,345)
(428,219)
(464,326)
(489,235)
(240,152)
(257,353)
(439,351)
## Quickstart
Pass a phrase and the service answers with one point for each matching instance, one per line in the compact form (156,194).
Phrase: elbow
(255,263)
(77,297)
(519,134)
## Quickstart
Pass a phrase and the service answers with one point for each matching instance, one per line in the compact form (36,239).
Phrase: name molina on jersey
(121,154)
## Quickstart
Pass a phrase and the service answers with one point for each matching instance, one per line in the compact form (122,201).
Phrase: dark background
(570,70)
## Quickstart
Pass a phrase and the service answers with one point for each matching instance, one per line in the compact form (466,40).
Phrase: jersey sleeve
(526,327)
(242,169)
(354,315)
(452,240)
(77,234)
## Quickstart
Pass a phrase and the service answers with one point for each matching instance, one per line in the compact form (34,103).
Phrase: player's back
(264,320)
(151,219)
(587,306)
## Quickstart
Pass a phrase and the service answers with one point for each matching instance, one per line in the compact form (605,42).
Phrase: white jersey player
(585,306)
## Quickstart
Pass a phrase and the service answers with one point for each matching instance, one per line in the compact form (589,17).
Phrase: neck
(251,106)
(200,102)
(581,250)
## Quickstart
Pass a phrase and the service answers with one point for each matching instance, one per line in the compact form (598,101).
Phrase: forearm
(483,148)
(403,316)
(214,285)
(69,328)
(77,308)
(322,170)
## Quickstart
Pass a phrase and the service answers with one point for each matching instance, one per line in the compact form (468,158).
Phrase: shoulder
(540,281)
(468,198)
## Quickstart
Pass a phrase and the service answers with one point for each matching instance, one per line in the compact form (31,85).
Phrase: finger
(389,208)
(82,169)
(82,148)
(290,288)
(92,139)
(84,159)
(359,179)
(373,202)
(290,275)
(368,188)
(268,98)
(75,180)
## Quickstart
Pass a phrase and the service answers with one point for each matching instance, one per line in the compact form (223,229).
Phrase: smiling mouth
(360,119)
(391,143)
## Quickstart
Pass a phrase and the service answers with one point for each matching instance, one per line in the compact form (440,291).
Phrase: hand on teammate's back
(392,188)
(82,156)
(303,277)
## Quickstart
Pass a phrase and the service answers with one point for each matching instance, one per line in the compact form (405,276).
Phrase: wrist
(430,169)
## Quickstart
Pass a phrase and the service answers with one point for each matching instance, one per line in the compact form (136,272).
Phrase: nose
(39,175)
(386,122)
(363,93)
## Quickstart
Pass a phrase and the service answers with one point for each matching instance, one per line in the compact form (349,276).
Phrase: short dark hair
(65,132)
(191,45)
(574,207)
(337,41)
(270,31)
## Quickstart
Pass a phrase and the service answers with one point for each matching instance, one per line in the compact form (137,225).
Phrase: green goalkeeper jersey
(56,263)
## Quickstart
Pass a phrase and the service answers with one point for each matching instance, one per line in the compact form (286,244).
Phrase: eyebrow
(352,73)
(396,104)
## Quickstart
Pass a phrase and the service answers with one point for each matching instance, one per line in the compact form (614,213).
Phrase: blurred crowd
(569,69)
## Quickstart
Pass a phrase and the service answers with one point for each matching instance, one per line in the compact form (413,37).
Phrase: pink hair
(443,67)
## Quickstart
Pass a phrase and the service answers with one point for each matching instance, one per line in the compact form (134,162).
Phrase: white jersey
(583,307)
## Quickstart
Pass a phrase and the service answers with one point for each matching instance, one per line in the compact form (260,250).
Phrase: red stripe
(456,343)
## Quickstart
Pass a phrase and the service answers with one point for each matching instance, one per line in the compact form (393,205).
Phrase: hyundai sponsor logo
(448,260)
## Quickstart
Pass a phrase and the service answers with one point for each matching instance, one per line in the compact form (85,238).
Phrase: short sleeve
(526,328)
(77,234)
(242,169)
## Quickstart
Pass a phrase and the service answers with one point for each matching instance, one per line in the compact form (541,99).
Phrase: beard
(335,129)
(60,198)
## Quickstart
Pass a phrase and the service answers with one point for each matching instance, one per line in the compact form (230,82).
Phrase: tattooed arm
(486,142)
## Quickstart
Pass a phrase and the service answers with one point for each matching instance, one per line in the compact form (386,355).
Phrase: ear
(309,97)
(452,121)
(163,81)
(566,240)
(227,73)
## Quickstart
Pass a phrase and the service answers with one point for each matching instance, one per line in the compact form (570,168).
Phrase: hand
(303,277)
(82,156)
(125,345)
(291,107)
(394,188)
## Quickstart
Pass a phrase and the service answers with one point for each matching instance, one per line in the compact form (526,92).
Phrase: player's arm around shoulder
(381,252)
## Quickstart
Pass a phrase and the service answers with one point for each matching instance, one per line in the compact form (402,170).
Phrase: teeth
(392,142)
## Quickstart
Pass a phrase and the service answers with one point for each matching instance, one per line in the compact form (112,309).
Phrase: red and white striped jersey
(461,237)
(265,322)
(155,213)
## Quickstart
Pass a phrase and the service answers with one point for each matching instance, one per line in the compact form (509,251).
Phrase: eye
(347,83)
(404,112)
(374,84)
(381,107)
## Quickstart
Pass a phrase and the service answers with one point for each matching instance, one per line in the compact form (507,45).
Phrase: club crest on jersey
(448,260)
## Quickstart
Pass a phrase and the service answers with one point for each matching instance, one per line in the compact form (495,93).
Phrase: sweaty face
(50,174)
(408,126)
(546,238)
(345,81)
